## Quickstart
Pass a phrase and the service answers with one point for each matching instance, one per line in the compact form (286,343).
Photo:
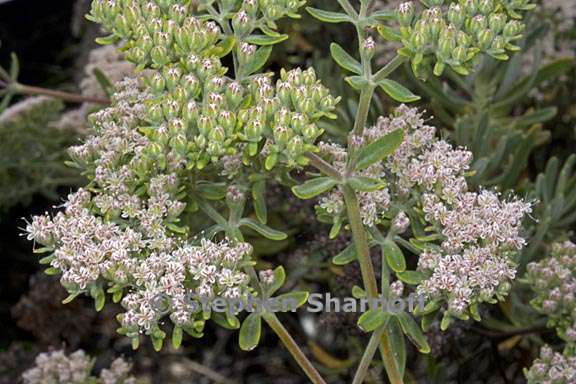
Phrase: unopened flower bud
(406,13)
(456,15)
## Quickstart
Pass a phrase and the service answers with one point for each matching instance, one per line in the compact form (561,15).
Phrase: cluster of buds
(554,281)
(552,367)
(196,115)
(58,368)
(456,32)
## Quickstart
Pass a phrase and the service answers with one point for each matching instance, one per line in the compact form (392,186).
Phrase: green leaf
(314,187)
(212,191)
(328,16)
(347,256)
(411,277)
(157,340)
(358,293)
(365,184)
(259,200)
(258,61)
(394,256)
(177,335)
(398,342)
(223,48)
(397,91)
(104,82)
(14,67)
(250,332)
(263,229)
(413,331)
(344,59)
(279,279)
(384,15)
(265,39)
(372,319)
(298,298)
(356,82)
(379,149)
(388,33)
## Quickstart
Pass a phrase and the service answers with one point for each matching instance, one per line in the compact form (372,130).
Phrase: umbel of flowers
(59,368)
(466,240)
(159,154)
(455,33)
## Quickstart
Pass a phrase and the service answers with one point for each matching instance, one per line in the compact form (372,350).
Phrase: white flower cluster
(58,368)
(124,228)
(478,232)
(554,281)
(552,368)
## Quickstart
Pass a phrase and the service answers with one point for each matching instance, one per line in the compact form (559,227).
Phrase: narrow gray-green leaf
(365,184)
(379,149)
(259,200)
(413,331)
(397,91)
(346,256)
(394,256)
(328,16)
(250,332)
(372,319)
(279,278)
(292,300)
(259,60)
(314,187)
(265,39)
(411,277)
(263,229)
(344,59)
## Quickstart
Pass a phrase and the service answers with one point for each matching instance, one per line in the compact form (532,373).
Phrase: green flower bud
(282,117)
(217,134)
(368,47)
(172,76)
(190,112)
(406,13)
(250,6)
(234,93)
(282,135)
(177,13)
(154,113)
(328,103)
(201,141)
(272,12)
(136,55)
(447,41)
(157,83)
(308,106)
(486,7)
(253,130)
(485,38)
(122,26)
(241,22)
(215,84)
(295,147)
(145,42)
(496,22)
(456,15)
(176,126)
(478,24)
(309,76)
(171,108)
(498,43)
(227,120)
(513,29)
(419,40)
(284,92)
(205,125)
(463,39)
(298,122)
(311,132)
(159,56)
(471,6)
(151,11)
(460,54)
(191,85)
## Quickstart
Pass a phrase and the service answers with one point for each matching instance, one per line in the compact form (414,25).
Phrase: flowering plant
(179,163)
